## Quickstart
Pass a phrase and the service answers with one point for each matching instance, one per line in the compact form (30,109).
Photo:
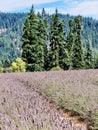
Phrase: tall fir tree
(75,44)
(26,42)
(89,61)
(71,36)
(46,34)
(54,41)
(63,52)
(44,18)
(33,42)
(70,41)
(58,53)
(42,44)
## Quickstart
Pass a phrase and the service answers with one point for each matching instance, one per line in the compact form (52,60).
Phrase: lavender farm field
(26,100)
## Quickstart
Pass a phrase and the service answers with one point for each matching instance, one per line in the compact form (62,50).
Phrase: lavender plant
(29,101)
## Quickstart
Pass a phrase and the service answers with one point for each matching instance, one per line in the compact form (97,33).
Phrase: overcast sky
(73,7)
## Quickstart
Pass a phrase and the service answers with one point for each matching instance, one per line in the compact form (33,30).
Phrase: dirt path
(23,109)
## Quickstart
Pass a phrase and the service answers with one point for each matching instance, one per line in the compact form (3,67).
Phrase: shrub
(57,68)
(1,69)
(18,66)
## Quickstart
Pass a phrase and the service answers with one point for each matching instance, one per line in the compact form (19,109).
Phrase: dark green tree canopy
(34,37)
(75,44)
(89,60)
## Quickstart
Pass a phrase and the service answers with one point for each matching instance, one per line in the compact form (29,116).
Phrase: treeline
(47,47)
(11,31)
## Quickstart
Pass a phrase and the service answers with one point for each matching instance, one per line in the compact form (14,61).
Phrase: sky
(73,7)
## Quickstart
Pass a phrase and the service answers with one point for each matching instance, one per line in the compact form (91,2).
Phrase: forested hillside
(11,26)
(11,30)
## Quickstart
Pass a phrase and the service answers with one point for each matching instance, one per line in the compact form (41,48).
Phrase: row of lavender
(22,108)
(76,91)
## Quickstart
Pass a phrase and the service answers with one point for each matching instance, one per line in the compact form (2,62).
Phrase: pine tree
(26,41)
(33,42)
(63,52)
(89,56)
(64,59)
(44,18)
(41,44)
(75,47)
(58,53)
(46,34)
(70,37)
(54,41)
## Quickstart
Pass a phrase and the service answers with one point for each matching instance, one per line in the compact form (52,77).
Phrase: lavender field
(63,100)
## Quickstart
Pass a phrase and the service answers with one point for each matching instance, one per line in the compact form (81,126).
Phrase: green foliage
(90,31)
(1,69)
(37,34)
(75,39)
(44,18)
(89,61)
(18,66)
(57,68)
(96,61)
(54,40)
(34,36)
(58,55)
(11,25)
(64,59)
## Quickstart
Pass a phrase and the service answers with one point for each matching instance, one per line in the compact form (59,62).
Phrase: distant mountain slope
(11,25)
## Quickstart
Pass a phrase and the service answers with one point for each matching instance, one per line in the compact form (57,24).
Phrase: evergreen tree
(89,56)
(33,42)
(71,36)
(58,54)
(46,37)
(63,52)
(76,50)
(54,41)
(25,39)
(44,18)
(70,41)
(41,44)
(64,59)
(96,61)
